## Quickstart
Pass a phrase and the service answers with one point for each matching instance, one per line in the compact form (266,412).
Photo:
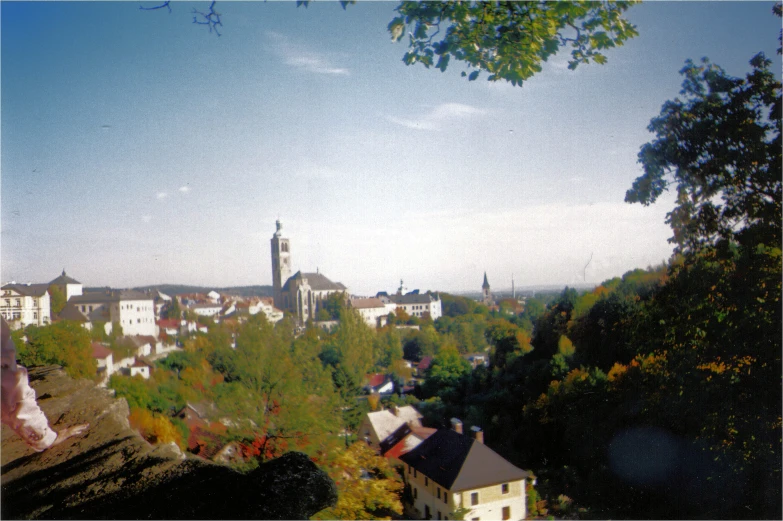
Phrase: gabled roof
(458,462)
(316,281)
(385,422)
(367,303)
(28,290)
(413,298)
(71,312)
(96,297)
(64,279)
(374,380)
(100,351)
(424,364)
(407,443)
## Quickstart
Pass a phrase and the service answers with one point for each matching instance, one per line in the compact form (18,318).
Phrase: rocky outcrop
(113,473)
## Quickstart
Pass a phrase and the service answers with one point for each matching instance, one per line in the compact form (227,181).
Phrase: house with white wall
(419,304)
(25,304)
(133,310)
(68,286)
(450,470)
(372,310)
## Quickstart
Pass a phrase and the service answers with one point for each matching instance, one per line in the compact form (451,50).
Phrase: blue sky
(138,149)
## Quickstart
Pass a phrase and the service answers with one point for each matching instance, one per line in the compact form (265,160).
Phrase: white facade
(206,310)
(134,311)
(372,310)
(25,304)
(273,314)
(419,305)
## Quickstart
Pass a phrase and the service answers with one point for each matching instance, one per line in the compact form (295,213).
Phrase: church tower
(281,264)
(486,293)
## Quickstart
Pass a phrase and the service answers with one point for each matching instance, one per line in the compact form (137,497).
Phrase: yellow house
(450,470)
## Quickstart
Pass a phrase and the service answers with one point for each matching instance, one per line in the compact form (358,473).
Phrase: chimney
(478,434)
(395,410)
(456,425)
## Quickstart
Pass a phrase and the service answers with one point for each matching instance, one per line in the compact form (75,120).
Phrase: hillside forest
(654,395)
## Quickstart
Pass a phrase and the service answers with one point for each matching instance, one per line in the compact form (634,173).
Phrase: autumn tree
(367,485)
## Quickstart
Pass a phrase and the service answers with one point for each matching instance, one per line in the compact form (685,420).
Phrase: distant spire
(486,282)
(513,290)
(63,272)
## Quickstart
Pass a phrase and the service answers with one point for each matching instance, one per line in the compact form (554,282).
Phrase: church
(303,293)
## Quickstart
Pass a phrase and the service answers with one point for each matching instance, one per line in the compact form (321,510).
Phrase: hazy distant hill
(241,291)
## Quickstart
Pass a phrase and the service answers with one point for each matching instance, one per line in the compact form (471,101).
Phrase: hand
(70,432)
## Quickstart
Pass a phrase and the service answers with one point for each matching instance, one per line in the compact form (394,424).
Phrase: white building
(265,306)
(25,304)
(132,310)
(105,359)
(378,426)
(206,309)
(373,310)
(68,286)
(419,304)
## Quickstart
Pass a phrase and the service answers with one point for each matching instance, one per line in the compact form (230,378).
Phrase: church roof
(316,281)
(458,462)
(486,282)
(64,279)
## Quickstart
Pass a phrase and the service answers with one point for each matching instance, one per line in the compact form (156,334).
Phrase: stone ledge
(113,473)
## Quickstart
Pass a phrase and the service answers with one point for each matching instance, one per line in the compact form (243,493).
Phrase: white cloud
(438,116)
(162,195)
(184,189)
(299,57)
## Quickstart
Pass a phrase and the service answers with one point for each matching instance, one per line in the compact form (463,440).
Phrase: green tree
(64,343)
(444,375)
(720,147)
(57,300)
(509,40)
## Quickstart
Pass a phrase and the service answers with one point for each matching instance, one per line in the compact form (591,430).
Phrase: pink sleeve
(19,408)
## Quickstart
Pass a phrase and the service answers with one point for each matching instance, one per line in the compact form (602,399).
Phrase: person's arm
(20,411)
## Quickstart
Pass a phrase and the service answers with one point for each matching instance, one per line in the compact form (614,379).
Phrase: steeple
(281,263)
(485,286)
(485,292)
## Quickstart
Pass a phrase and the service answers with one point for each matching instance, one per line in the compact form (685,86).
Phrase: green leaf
(473,75)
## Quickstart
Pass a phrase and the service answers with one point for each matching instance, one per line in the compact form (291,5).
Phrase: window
(474,519)
(474,498)
(415,493)
(35,315)
(438,492)
(504,488)
(427,514)
(439,516)
(506,512)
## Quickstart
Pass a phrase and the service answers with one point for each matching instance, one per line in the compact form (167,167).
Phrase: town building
(302,294)
(450,470)
(23,305)
(373,310)
(132,310)
(418,304)
(68,287)
(486,292)
(376,427)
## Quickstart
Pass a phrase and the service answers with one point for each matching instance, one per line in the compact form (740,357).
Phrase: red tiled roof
(100,351)
(168,322)
(374,380)
(425,363)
